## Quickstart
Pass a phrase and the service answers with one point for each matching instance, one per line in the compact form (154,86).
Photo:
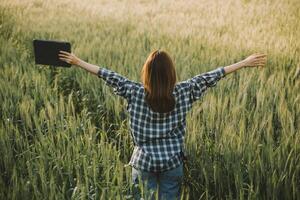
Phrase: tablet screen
(46,52)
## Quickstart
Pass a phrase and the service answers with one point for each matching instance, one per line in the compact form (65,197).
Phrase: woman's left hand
(69,57)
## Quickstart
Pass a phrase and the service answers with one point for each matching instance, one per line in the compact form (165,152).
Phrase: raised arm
(121,85)
(74,60)
(254,60)
(197,85)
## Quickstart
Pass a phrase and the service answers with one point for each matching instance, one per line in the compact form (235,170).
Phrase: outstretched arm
(251,61)
(74,60)
(198,84)
(121,85)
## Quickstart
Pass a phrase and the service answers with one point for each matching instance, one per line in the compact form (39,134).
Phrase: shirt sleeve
(200,83)
(121,85)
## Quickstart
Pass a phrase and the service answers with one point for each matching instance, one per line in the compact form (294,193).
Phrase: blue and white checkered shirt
(158,137)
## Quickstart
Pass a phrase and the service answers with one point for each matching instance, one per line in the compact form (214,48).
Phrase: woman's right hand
(255,60)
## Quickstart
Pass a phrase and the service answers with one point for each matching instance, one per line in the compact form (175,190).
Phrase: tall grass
(65,135)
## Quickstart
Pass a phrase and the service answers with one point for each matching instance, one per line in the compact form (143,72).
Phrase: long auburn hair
(159,77)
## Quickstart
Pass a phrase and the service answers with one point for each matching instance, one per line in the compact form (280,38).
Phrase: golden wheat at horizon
(65,135)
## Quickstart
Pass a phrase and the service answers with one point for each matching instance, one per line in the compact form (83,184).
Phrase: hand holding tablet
(68,57)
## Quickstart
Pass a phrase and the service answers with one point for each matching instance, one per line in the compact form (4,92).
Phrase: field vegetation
(65,135)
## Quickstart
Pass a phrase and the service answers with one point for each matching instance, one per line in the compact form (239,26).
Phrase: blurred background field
(65,135)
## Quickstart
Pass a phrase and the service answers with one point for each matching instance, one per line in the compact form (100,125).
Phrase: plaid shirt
(158,137)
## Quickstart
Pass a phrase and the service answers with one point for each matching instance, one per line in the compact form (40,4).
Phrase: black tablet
(46,52)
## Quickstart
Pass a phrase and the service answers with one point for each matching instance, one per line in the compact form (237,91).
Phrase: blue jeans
(164,185)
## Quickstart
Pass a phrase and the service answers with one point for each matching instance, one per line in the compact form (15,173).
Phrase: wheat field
(65,135)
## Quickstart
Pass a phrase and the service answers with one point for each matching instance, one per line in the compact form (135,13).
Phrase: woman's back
(159,137)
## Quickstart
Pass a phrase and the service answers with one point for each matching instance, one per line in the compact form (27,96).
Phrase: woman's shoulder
(182,86)
(136,87)
(179,88)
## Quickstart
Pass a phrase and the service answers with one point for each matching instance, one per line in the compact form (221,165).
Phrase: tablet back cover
(46,52)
